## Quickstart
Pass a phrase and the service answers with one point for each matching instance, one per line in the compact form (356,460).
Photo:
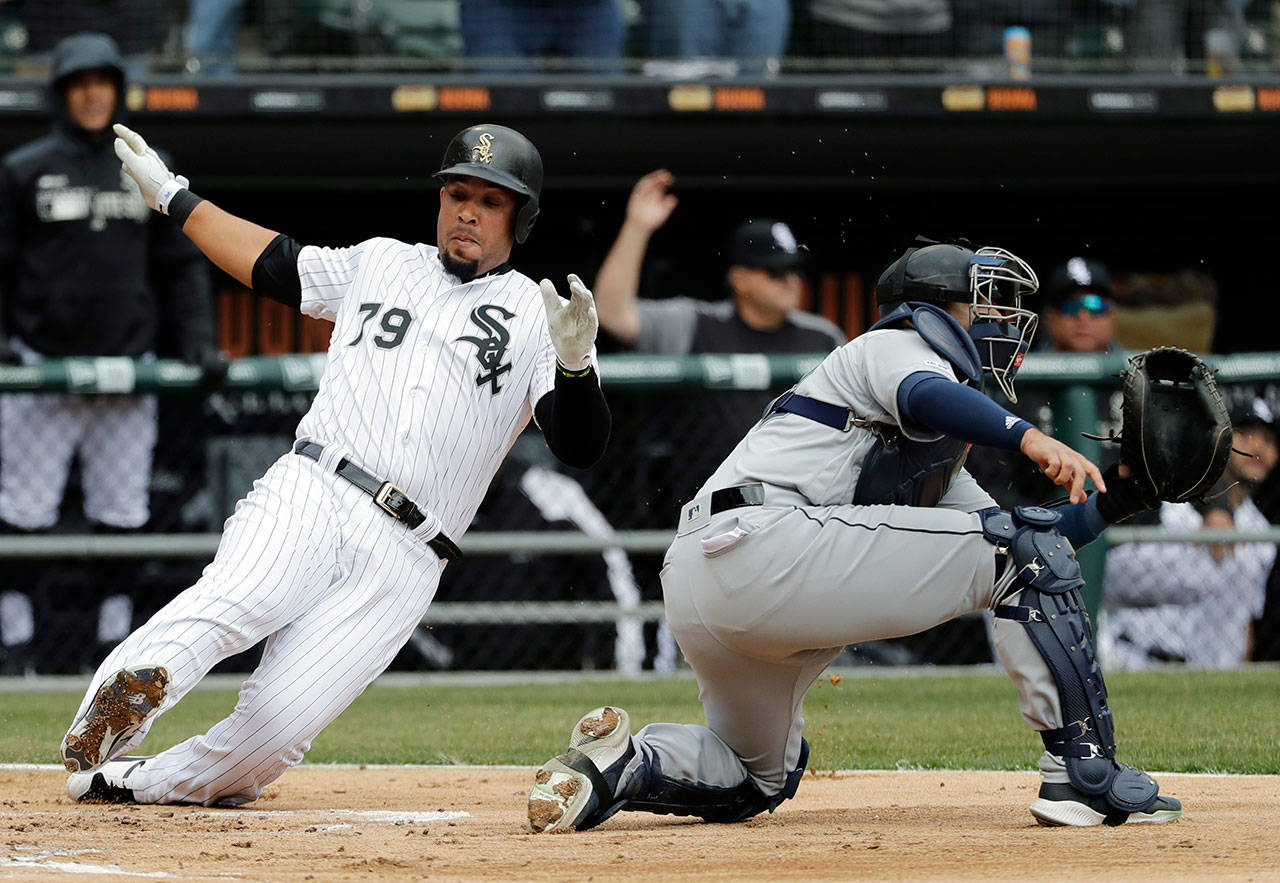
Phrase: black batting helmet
(501,156)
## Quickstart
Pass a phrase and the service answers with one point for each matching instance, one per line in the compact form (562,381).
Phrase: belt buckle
(383,496)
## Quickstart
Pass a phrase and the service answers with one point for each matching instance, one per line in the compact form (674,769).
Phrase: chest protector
(897,470)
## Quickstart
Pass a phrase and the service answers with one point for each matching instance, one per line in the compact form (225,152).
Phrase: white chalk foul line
(383,816)
(379,816)
(43,860)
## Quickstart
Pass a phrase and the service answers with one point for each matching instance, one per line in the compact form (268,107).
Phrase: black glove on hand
(1125,497)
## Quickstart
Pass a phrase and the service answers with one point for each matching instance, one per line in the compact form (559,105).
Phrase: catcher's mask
(500,156)
(991,280)
(998,324)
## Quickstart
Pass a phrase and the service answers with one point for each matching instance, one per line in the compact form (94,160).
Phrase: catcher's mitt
(1175,434)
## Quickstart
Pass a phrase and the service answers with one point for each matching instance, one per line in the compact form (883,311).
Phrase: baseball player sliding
(845,516)
(439,357)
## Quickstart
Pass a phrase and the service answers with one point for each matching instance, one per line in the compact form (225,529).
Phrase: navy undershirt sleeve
(1081,523)
(932,401)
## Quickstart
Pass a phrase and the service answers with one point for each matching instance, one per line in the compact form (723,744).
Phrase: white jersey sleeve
(326,275)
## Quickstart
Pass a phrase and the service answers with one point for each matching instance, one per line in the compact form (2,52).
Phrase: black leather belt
(739,495)
(387,496)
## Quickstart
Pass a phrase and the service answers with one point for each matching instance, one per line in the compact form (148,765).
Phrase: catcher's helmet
(991,280)
(501,156)
(935,273)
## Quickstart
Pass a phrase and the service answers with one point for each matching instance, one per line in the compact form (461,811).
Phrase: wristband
(565,372)
(181,205)
(168,190)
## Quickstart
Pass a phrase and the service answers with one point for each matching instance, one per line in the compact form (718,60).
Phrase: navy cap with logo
(1077,276)
(765,243)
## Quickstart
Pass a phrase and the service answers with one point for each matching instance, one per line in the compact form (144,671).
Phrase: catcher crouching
(845,515)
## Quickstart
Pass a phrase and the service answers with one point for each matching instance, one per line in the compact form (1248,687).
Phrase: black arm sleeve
(275,272)
(575,419)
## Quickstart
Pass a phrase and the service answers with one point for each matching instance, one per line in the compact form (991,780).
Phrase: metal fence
(563,564)
(680,38)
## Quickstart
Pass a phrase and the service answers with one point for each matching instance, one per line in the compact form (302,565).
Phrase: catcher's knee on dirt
(1040,588)
(653,791)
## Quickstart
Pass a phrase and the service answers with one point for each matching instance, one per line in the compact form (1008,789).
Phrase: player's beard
(464,270)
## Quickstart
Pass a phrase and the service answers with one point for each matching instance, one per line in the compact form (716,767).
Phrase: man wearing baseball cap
(1080,308)
(763,279)
(760,315)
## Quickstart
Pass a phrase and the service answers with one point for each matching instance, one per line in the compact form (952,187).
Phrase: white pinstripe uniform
(427,385)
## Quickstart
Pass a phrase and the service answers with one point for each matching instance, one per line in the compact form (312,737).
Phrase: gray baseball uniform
(762,599)
(843,516)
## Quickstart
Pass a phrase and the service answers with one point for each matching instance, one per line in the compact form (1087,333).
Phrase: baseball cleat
(575,791)
(1063,805)
(107,784)
(123,703)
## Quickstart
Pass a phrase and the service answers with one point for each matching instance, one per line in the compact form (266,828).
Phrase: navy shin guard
(1042,580)
(660,794)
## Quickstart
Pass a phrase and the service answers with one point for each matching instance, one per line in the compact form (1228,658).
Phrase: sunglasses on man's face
(1087,303)
(780,273)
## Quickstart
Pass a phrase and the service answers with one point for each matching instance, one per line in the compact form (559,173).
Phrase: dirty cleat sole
(559,796)
(122,704)
(562,795)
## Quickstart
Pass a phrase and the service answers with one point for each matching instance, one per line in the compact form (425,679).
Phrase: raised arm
(574,416)
(618,282)
(232,243)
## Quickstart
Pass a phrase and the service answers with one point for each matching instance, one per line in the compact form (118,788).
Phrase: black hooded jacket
(86,268)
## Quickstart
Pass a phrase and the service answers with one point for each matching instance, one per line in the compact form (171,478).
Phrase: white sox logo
(481,152)
(491,350)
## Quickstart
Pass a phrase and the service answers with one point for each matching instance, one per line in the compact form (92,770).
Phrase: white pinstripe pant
(332,583)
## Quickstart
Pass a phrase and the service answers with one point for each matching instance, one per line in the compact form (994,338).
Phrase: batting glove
(573,323)
(144,165)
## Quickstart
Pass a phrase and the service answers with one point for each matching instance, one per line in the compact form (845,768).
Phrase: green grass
(1181,721)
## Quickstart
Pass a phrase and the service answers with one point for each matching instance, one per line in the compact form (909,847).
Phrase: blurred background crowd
(671,37)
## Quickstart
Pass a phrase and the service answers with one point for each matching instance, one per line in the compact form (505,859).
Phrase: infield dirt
(322,824)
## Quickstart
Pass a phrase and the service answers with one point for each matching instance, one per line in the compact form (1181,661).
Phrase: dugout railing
(585,580)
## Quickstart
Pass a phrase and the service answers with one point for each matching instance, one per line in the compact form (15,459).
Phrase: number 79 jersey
(428,381)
